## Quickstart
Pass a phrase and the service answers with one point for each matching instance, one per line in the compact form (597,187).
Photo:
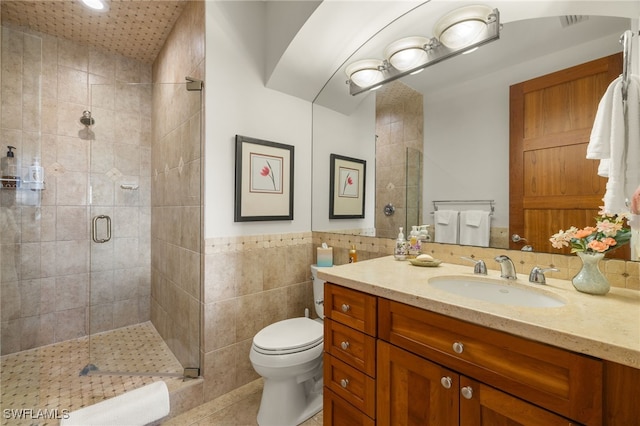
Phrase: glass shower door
(144,214)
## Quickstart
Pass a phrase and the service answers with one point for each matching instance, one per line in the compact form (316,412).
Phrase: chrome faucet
(480,267)
(507,268)
(537,274)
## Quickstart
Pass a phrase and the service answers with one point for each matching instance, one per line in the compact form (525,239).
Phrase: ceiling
(135,29)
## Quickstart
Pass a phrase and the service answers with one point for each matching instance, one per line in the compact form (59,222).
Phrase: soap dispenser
(36,175)
(400,252)
(414,242)
(9,167)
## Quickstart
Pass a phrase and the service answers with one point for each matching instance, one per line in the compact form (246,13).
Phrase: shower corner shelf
(25,185)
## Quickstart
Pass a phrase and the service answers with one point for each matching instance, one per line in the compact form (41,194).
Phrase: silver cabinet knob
(344,383)
(458,347)
(345,308)
(446,382)
(467,392)
(344,345)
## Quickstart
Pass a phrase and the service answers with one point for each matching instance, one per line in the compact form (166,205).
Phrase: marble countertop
(606,327)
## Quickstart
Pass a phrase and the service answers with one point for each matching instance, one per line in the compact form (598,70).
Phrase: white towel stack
(446,226)
(619,158)
(475,228)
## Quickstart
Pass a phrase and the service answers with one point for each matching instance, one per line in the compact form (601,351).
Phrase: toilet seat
(288,336)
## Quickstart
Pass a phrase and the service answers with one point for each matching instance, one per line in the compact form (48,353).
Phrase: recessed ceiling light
(99,5)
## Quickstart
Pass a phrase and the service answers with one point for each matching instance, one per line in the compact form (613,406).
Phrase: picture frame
(347,183)
(263,180)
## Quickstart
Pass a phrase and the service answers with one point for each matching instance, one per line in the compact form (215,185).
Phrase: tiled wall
(45,239)
(399,128)
(176,188)
(620,273)
(250,282)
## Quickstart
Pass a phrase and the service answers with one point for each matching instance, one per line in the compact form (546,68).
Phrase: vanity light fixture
(459,31)
(366,73)
(461,27)
(97,5)
(407,53)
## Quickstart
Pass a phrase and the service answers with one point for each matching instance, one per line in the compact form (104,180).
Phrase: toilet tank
(318,291)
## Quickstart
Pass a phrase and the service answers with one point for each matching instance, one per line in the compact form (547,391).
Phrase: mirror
(465,113)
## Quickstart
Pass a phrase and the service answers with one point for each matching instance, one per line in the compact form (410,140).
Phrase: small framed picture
(264,180)
(346,187)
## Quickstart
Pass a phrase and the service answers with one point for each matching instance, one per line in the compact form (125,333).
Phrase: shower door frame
(168,196)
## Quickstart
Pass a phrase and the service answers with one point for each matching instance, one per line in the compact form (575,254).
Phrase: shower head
(86,119)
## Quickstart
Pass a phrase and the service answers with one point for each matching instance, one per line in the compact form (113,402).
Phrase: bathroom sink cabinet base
(432,369)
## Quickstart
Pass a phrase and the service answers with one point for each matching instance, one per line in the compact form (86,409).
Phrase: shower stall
(100,261)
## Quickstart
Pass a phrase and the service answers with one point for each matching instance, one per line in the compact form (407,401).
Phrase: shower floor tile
(48,378)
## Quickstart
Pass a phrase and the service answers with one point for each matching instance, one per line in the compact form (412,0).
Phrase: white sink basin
(496,292)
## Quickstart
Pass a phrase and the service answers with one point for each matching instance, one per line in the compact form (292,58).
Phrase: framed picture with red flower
(346,187)
(264,180)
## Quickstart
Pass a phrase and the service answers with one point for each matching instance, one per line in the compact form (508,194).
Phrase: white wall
(237,102)
(351,136)
(477,111)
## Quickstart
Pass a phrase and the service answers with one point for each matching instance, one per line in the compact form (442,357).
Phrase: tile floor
(48,378)
(237,408)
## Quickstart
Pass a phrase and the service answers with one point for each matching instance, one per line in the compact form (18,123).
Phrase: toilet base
(303,400)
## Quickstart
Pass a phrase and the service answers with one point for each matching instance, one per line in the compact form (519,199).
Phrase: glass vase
(590,279)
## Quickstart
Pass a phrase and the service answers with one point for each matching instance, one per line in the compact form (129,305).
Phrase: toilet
(288,356)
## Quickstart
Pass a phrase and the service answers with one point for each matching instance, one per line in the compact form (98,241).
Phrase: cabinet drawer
(350,307)
(350,346)
(567,383)
(353,385)
(338,412)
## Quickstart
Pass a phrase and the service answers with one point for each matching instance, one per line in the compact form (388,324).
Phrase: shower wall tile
(102,287)
(73,55)
(127,159)
(47,250)
(72,223)
(72,188)
(128,100)
(72,257)
(73,154)
(30,261)
(102,94)
(72,291)
(102,64)
(10,300)
(72,85)
(70,324)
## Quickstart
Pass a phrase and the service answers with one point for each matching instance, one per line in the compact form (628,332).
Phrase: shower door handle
(94,228)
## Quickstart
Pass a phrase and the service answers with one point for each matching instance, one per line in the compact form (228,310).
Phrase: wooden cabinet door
(410,390)
(552,186)
(338,412)
(482,405)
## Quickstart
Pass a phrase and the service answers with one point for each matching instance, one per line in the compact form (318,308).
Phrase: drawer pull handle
(467,392)
(344,345)
(458,347)
(344,383)
(345,308)
(446,382)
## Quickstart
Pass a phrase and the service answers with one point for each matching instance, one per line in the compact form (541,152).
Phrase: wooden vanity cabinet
(414,391)
(349,361)
(562,382)
(388,363)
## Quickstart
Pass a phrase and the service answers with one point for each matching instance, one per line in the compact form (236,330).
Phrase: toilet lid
(288,336)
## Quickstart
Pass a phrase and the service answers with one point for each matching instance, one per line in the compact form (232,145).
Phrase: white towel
(138,407)
(620,158)
(446,227)
(475,228)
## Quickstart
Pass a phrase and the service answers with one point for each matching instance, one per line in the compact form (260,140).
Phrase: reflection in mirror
(464,137)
